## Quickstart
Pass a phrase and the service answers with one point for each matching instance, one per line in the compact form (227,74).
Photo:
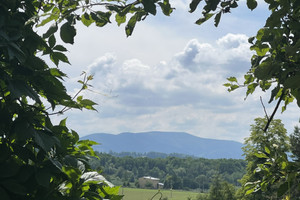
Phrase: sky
(169,76)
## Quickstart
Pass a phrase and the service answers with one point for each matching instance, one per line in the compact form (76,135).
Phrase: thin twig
(274,112)
(262,103)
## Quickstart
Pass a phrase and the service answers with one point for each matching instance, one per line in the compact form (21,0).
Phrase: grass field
(146,194)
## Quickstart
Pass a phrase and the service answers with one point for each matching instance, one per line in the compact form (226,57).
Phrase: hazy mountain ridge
(168,143)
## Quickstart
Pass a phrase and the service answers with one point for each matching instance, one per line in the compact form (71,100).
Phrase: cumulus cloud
(198,56)
(184,93)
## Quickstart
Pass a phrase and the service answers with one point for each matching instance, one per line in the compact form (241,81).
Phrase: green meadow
(147,194)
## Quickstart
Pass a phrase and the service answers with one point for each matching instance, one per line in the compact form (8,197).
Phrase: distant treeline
(174,172)
(151,154)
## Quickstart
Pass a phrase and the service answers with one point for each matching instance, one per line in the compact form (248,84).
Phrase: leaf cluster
(40,160)
(275,63)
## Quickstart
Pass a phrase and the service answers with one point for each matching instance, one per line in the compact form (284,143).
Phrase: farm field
(146,194)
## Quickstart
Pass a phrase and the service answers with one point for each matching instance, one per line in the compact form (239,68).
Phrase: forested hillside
(166,142)
(178,173)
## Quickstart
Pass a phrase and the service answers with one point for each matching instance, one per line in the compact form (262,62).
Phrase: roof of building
(151,178)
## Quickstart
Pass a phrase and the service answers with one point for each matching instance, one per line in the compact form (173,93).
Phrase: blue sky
(169,76)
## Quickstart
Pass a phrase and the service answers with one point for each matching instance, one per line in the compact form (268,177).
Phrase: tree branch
(262,103)
(274,112)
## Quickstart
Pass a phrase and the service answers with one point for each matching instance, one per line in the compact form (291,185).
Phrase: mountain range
(168,143)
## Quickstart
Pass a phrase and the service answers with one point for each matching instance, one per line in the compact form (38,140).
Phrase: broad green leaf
(53,28)
(260,33)
(86,19)
(56,72)
(14,51)
(45,141)
(149,6)
(58,56)
(19,88)
(204,19)
(252,4)
(233,87)
(88,104)
(94,177)
(72,172)
(249,191)
(232,79)
(263,71)
(217,18)
(267,150)
(166,7)
(292,81)
(67,33)
(53,16)
(296,94)
(251,88)
(51,41)
(120,19)
(131,24)
(63,122)
(261,155)
(193,5)
(59,48)
(261,50)
(249,78)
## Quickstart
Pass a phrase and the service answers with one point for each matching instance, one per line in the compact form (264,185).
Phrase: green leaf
(67,33)
(149,6)
(251,88)
(292,81)
(101,18)
(130,25)
(233,87)
(20,88)
(53,28)
(87,104)
(217,19)
(263,71)
(120,19)
(56,72)
(60,48)
(252,4)
(193,5)
(52,41)
(45,141)
(53,16)
(86,19)
(204,19)
(58,56)
(261,50)
(261,155)
(267,150)
(166,7)
(72,172)
(232,79)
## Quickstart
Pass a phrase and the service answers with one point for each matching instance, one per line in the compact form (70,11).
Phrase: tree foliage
(295,143)
(258,149)
(275,63)
(40,160)
(176,173)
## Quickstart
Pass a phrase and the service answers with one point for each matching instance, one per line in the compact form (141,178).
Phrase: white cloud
(160,79)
